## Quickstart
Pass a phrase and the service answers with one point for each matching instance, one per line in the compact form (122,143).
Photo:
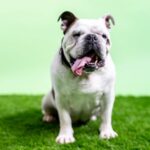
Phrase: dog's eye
(76,34)
(104,36)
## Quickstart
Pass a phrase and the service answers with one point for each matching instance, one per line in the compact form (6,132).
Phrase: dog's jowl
(83,77)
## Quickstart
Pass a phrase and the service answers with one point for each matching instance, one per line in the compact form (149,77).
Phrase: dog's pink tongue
(79,64)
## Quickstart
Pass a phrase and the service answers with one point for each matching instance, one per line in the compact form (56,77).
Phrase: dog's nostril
(88,38)
(91,37)
(95,38)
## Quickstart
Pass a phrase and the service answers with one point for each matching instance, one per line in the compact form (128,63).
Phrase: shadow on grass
(27,124)
(28,130)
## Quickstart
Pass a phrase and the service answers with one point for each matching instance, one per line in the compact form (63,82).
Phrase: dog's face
(86,42)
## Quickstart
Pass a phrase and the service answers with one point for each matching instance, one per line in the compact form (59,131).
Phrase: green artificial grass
(21,127)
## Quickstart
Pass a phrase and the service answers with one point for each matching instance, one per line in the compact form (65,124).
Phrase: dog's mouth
(88,63)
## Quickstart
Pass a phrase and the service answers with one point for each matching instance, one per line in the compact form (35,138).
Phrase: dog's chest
(80,105)
(82,97)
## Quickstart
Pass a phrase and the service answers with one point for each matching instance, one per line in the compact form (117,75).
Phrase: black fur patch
(53,93)
(63,58)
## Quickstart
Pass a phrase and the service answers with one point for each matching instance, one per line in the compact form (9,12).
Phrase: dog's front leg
(66,131)
(106,130)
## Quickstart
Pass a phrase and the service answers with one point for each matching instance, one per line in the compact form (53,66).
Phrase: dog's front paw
(65,138)
(108,133)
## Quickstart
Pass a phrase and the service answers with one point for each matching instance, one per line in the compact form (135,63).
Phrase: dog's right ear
(67,19)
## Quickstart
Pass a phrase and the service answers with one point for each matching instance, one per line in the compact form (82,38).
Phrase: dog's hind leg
(48,107)
(95,114)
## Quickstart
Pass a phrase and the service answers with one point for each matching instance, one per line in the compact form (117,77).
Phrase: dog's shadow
(27,124)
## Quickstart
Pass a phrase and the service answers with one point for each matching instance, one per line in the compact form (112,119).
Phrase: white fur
(81,98)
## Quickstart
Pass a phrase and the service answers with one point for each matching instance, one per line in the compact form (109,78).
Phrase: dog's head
(86,42)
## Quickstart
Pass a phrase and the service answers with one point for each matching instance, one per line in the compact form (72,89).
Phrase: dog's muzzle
(91,59)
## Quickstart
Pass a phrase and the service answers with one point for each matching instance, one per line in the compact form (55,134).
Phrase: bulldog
(83,77)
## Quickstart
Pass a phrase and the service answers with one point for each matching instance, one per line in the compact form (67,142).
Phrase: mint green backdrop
(30,36)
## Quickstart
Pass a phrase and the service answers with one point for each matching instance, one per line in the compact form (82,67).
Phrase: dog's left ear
(107,19)
(67,19)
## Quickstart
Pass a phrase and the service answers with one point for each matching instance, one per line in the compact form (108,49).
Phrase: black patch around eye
(76,34)
(104,36)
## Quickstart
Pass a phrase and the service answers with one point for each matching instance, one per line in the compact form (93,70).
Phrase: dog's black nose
(91,38)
